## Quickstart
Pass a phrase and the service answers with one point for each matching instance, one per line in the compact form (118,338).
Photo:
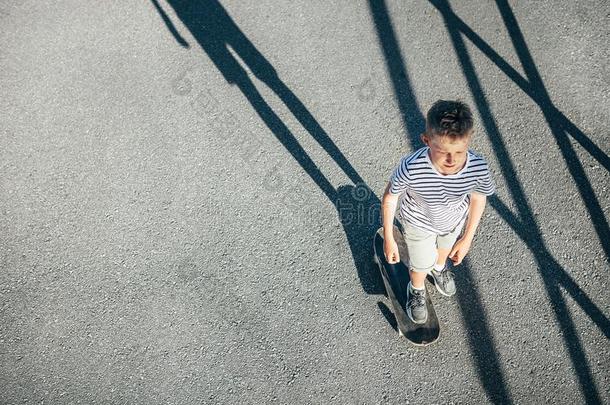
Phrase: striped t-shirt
(435,202)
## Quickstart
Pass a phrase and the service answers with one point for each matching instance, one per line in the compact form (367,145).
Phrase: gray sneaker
(416,305)
(443,280)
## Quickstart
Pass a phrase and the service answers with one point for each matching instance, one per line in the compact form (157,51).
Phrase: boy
(442,189)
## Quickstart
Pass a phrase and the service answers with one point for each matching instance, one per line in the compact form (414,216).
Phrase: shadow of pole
(411,115)
(557,127)
(554,278)
(480,338)
(474,318)
(552,274)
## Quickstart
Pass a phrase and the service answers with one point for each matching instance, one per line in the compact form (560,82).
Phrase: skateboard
(396,280)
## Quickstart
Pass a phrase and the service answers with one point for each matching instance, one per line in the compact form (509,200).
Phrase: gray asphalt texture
(189,194)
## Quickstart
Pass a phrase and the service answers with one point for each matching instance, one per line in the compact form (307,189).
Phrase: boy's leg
(422,256)
(445,243)
(443,276)
(421,246)
(442,254)
(417,278)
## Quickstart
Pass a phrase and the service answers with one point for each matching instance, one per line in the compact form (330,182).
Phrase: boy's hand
(390,248)
(460,250)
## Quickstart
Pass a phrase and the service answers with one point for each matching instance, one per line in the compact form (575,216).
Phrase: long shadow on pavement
(474,318)
(553,275)
(218,35)
(411,115)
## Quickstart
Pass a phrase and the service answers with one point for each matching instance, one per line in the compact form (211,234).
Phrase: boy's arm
(388,209)
(388,206)
(475,212)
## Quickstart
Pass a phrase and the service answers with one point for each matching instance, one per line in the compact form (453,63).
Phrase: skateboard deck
(396,280)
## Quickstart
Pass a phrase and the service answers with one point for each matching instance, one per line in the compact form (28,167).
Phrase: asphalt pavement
(189,193)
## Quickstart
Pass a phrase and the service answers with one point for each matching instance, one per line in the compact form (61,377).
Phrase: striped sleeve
(485,184)
(399,180)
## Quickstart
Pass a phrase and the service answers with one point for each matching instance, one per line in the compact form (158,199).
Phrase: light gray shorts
(422,245)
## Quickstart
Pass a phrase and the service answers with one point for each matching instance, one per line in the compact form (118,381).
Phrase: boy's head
(452,119)
(449,127)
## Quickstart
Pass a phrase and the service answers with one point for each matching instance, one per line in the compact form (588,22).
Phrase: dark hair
(449,118)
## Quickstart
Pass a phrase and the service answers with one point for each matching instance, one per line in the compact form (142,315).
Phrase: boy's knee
(423,261)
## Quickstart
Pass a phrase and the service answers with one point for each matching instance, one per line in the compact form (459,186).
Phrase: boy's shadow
(359,213)
(221,39)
